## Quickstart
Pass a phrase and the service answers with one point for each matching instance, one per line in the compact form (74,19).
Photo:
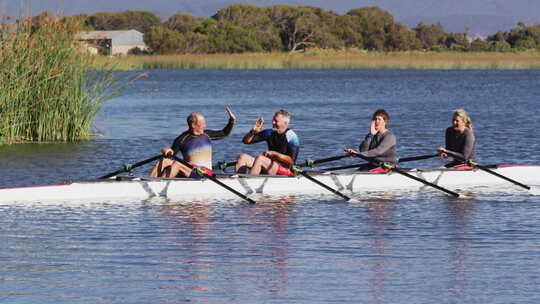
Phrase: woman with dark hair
(459,140)
(379,144)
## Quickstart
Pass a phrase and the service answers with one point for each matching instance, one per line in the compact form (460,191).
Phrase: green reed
(49,90)
(322,59)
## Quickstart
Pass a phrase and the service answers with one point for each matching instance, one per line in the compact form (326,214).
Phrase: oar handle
(223,165)
(345,167)
(311,162)
(413,158)
(400,160)
(212,178)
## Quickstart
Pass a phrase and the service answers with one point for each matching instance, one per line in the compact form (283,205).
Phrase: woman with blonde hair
(459,139)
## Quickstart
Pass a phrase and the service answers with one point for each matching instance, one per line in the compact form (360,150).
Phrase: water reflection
(188,224)
(459,217)
(381,222)
(269,232)
(252,239)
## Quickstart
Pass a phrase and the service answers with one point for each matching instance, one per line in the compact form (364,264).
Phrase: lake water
(390,247)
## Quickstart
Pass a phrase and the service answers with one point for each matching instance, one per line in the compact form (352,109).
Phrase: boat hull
(347,182)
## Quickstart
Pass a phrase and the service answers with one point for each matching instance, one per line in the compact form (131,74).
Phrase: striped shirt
(197,149)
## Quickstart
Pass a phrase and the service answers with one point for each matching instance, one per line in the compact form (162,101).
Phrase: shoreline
(329,60)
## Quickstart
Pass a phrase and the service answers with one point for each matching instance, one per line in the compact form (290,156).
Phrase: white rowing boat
(347,182)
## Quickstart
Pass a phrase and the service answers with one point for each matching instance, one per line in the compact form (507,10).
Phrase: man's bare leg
(264,164)
(244,162)
(166,167)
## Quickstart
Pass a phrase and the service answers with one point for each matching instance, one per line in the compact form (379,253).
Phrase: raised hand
(372,129)
(230,113)
(257,127)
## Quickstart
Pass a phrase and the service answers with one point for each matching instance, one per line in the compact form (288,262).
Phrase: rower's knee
(244,158)
(261,160)
(243,163)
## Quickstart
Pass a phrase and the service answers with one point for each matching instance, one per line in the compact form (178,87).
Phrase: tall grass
(49,90)
(334,60)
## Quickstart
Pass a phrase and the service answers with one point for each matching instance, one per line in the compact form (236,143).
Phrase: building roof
(130,37)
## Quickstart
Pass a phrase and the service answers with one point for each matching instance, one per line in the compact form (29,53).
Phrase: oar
(311,178)
(394,169)
(413,158)
(423,181)
(307,163)
(401,160)
(223,165)
(486,169)
(311,162)
(129,167)
(212,178)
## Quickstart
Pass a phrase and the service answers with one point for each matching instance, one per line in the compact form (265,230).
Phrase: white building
(113,42)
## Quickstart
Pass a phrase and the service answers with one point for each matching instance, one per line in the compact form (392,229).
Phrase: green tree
(349,33)
(225,37)
(373,23)
(479,45)
(255,20)
(164,41)
(457,42)
(298,27)
(330,34)
(183,23)
(431,36)
(400,38)
(246,16)
(524,37)
(500,46)
(196,43)
(138,20)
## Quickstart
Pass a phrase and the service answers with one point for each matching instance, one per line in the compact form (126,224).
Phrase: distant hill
(480,16)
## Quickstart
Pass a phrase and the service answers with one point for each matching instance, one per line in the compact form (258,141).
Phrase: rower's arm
(220,134)
(254,136)
(364,146)
(282,158)
(248,138)
(386,144)
(468,149)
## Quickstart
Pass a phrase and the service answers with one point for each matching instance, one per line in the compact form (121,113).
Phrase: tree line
(244,28)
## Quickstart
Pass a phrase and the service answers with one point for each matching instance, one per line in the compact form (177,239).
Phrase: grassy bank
(49,90)
(332,60)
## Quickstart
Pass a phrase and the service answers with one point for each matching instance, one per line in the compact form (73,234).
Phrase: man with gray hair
(283,147)
(196,147)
